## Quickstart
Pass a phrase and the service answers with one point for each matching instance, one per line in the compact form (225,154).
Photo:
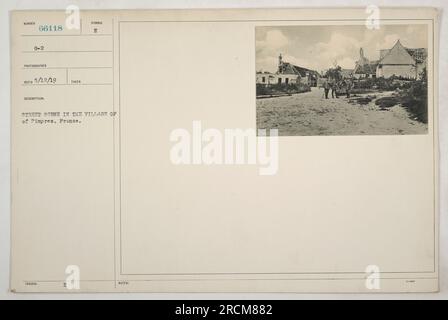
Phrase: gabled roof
(397,55)
(419,54)
(383,53)
(288,68)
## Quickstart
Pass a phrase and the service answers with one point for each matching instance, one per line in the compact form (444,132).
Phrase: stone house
(402,62)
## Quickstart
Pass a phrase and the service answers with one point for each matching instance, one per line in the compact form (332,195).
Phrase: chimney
(280,63)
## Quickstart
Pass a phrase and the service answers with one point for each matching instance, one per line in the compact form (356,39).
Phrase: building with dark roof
(306,75)
(287,73)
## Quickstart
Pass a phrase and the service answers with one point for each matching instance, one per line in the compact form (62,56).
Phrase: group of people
(344,85)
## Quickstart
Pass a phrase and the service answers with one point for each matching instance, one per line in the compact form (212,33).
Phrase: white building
(401,62)
(275,78)
(398,61)
(288,73)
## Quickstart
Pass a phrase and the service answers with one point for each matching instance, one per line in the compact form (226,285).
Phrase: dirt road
(310,114)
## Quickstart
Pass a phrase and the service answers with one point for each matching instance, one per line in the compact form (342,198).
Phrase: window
(286,80)
(263,79)
(279,80)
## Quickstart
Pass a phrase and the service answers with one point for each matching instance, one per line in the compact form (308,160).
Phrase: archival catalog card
(225,150)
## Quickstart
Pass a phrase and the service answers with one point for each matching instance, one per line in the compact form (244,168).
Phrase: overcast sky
(318,47)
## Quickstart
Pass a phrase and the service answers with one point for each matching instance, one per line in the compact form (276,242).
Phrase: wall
(292,78)
(406,71)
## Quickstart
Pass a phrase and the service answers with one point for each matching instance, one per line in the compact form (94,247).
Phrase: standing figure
(326,88)
(343,86)
(348,88)
(334,89)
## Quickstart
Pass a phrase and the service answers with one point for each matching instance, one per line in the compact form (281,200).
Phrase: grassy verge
(281,89)
(414,99)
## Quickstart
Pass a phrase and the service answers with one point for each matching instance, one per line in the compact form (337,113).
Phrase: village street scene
(342,80)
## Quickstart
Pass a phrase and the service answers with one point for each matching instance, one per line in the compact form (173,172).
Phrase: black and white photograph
(342,79)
